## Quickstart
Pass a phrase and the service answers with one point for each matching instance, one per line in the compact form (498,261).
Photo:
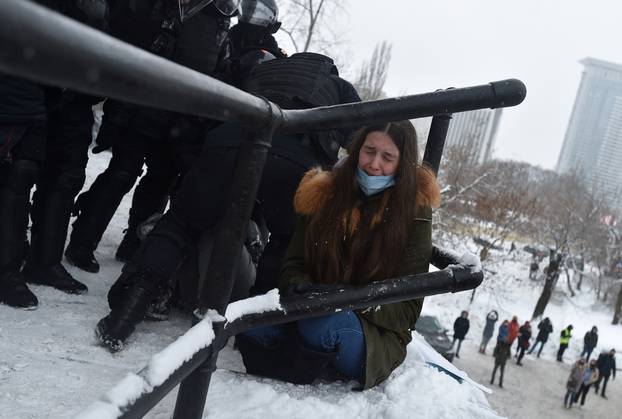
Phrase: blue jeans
(339,332)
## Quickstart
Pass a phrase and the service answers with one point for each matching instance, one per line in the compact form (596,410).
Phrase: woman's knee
(326,332)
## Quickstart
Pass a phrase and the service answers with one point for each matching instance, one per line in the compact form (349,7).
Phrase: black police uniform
(300,81)
(142,135)
(22,150)
(58,150)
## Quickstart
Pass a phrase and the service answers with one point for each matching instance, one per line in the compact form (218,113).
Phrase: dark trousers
(485,340)
(501,371)
(521,354)
(587,350)
(62,176)
(198,204)
(458,347)
(97,206)
(18,173)
(533,348)
(569,398)
(560,352)
(604,379)
(582,393)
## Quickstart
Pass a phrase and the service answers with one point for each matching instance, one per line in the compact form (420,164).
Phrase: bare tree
(373,73)
(311,24)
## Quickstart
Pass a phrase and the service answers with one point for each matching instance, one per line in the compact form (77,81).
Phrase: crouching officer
(301,81)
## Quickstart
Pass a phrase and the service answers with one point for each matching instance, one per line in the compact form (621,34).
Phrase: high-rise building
(476,129)
(593,141)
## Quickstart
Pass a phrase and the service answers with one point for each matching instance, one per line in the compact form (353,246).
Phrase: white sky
(443,43)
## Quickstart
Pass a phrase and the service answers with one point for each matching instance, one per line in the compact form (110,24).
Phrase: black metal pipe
(215,292)
(47,47)
(436,141)
(497,94)
(454,279)
(42,45)
(193,389)
(382,292)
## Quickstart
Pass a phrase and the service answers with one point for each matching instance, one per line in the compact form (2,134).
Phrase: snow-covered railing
(43,46)
(136,394)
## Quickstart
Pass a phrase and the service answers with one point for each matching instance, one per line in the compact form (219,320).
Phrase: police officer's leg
(276,192)
(150,196)
(196,207)
(97,206)
(17,176)
(69,136)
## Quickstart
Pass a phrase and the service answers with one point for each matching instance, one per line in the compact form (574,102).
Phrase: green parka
(387,328)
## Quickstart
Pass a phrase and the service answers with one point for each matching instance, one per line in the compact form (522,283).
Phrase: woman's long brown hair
(335,252)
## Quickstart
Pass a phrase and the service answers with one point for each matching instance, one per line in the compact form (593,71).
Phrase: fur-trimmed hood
(315,188)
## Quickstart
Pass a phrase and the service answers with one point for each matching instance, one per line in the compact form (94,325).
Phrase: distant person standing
(513,329)
(590,340)
(545,328)
(523,341)
(590,376)
(606,366)
(461,328)
(564,340)
(501,354)
(574,382)
(489,329)
(533,269)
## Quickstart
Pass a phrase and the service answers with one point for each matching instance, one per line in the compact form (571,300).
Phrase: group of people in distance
(585,373)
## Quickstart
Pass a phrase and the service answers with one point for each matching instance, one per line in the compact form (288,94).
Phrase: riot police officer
(140,135)
(48,132)
(22,150)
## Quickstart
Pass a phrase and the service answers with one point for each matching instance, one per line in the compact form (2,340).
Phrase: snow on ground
(536,389)
(51,367)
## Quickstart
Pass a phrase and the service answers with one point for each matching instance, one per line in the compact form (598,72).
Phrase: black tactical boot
(51,210)
(95,209)
(82,257)
(16,180)
(129,299)
(15,293)
(55,276)
(128,246)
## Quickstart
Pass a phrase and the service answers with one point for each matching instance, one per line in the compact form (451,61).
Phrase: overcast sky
(443,43)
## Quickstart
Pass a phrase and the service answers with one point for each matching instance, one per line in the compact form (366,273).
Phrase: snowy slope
(50,366)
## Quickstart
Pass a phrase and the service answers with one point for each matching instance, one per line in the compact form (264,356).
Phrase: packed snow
(51,366)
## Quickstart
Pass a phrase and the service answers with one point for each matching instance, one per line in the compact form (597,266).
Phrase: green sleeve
(293,268)
(403,316)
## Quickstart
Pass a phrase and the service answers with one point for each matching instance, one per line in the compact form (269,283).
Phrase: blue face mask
(371,185)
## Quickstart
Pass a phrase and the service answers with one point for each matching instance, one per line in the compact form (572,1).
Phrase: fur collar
(316,187)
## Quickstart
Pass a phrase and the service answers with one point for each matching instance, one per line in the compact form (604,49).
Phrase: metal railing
(44,46)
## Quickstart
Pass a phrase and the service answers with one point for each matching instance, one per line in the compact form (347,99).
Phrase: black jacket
(545,328)
(461,327)
(606,364)
(21,101)
(525,335)
(591,339)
